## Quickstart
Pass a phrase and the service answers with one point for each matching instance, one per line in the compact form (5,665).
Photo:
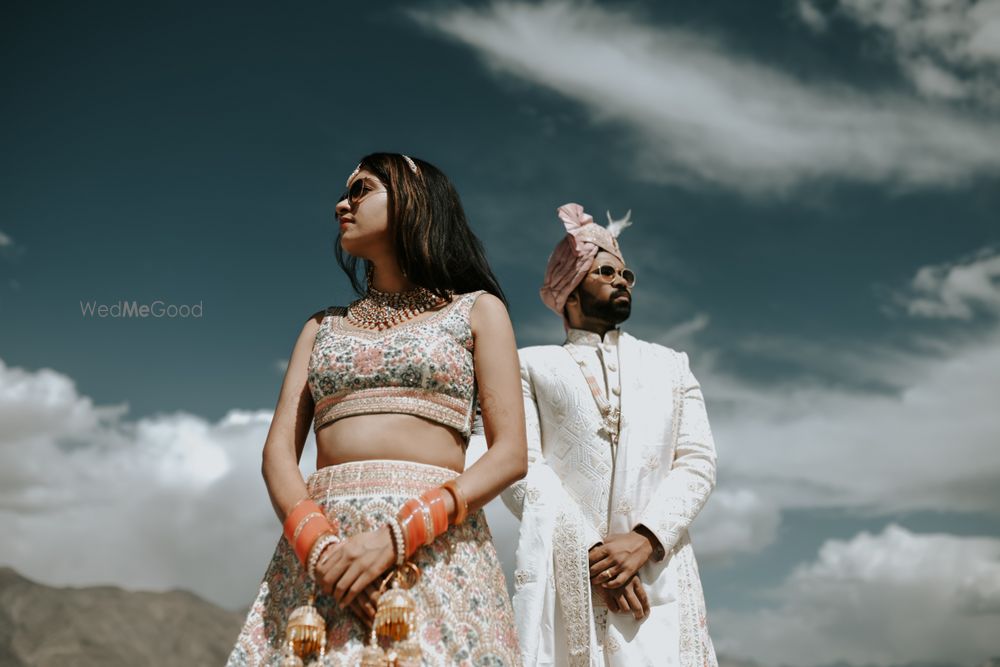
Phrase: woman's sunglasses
(359,189)
(608,273)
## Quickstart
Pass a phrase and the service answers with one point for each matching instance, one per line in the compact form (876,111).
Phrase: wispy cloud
(956,289)
(889,598)
(948,50)
(681,335)
(929,444)
(700,113)
(811,15)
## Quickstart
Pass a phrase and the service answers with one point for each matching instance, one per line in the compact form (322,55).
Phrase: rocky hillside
(103,626)
(41,626)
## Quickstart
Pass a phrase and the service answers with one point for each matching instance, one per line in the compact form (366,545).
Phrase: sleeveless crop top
(421,367)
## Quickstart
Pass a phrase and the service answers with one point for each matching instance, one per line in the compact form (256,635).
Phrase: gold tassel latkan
(397,614)
(395,624)
(305,634)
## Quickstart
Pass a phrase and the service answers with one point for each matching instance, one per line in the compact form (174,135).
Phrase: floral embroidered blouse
(421,367)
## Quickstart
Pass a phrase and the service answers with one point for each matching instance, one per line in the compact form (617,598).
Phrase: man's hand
(630,598)
(614,562)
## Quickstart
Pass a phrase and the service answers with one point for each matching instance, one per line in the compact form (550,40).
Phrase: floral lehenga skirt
(464,614)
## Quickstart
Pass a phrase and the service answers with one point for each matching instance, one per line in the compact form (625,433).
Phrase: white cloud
(700,113)
(45,404)
(156,503)
(811,15)
(177,500)
(930,447)
(169,501)
(925,440)
(948,49)
(5,240)
(681,335)
(734,521)
(877,599)
(957,289)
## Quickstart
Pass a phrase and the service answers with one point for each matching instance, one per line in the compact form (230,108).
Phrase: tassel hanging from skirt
(305,634)
(395,623)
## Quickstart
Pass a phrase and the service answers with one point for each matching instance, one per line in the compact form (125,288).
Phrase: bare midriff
(394,436)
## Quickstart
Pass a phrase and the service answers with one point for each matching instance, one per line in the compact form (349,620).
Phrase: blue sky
(814,187)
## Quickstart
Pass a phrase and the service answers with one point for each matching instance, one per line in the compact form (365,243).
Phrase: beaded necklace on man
(379,310)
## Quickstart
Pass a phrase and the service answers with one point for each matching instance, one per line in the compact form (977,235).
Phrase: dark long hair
(434,246)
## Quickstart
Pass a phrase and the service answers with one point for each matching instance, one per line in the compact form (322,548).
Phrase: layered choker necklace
(378,310)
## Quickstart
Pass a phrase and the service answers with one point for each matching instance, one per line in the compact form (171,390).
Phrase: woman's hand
(365,604)
(355,563)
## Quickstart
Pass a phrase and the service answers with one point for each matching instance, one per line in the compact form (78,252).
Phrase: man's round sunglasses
(607,273)
(359,189)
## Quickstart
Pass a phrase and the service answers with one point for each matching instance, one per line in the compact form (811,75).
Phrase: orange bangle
(310,533)
(413,526)
(461,506)
(312,516)
(301,509)
(425,513)
(439,514)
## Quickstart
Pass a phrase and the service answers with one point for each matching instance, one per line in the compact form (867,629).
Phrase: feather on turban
(573,255)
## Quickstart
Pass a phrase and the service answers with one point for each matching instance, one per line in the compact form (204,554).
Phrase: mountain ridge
(106,626)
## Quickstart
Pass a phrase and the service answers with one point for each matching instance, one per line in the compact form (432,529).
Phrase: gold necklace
(379,310)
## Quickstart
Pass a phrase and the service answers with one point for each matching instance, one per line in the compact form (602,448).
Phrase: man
(621,460)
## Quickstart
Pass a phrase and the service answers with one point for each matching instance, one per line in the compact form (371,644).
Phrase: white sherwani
(576,492)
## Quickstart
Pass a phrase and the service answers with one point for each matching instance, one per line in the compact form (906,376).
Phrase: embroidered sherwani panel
(580,487)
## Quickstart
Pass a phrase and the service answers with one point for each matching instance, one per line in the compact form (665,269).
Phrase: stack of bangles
(309,532)
(422,519)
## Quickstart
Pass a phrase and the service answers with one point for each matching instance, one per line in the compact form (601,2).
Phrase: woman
(390,383)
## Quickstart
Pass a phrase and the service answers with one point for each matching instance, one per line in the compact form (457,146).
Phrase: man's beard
(612,310)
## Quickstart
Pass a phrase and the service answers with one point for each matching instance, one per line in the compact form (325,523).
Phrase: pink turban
(573,255)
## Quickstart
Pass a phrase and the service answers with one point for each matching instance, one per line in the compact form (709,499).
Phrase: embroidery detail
(572,582)
(696,648)
(466,616)
(611,415)
(422,367)
(624,506)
